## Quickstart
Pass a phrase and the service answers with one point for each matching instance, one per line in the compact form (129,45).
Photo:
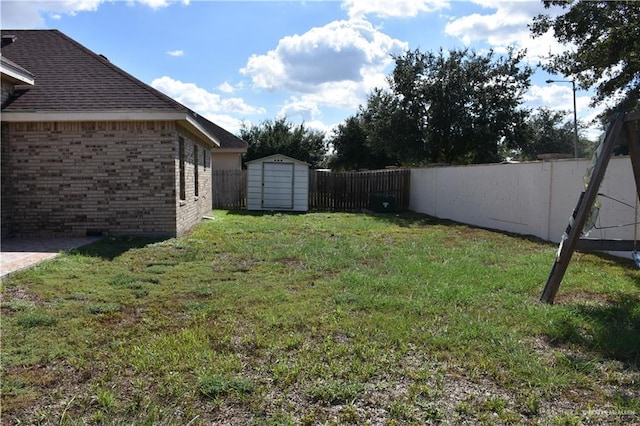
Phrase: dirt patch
(15,298)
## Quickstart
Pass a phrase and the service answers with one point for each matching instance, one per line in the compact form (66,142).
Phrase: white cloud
(226,88)
(506,26)
(175,52)
(305,110)
(157,4)
(339,51)
(559,96)
(346,95)
(27,14)
(227,122)
(207,104)
(320,126)
(336,65)
(392,9)
(200,100)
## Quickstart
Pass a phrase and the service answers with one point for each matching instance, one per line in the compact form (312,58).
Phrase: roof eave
(118,115)
(232,150)
(193,125)
(16,74)
(65,116)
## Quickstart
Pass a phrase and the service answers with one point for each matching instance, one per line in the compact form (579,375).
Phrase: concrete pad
(21,253)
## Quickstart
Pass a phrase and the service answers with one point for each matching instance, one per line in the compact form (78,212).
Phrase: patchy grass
(321,319)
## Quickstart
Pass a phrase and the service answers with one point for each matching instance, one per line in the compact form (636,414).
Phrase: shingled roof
(72,80)
(227,139)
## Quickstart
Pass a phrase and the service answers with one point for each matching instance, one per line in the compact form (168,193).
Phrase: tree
(282,137)
(547,132)
(456,107)
(606,36)
(390,131)
(351,149)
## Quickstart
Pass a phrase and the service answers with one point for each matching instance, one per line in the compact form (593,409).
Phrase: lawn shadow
(613,324)
(112,247)
(634,276)
(411,219)
(611,329)
(260,213)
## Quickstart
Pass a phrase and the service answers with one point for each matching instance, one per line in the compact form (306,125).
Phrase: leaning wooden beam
(581,212)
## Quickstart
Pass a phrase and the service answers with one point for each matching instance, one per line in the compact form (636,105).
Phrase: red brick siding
(118,178)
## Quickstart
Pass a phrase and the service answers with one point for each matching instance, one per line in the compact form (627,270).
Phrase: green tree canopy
(606,36)
(282,137)
(547,132)
(390,130)
(351,149)
(456,107)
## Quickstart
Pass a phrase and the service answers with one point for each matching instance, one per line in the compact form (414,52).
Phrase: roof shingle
(71,78)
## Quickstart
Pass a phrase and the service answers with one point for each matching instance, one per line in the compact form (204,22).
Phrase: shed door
(277,185)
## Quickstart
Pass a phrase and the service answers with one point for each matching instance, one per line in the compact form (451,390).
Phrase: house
(88,149)
(229,155)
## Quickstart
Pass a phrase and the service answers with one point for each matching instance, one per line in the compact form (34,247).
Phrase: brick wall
(6,204)
(193,207)
(114,178)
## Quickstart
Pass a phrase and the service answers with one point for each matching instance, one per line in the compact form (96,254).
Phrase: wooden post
(581,212)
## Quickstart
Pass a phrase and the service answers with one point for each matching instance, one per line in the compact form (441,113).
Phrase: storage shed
(278,183)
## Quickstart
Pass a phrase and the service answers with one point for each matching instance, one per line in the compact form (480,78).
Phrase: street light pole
(575,114)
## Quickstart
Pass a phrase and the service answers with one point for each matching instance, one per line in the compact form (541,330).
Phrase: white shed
(277,182)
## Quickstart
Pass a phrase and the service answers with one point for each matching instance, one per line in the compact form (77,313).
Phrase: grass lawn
(321,318)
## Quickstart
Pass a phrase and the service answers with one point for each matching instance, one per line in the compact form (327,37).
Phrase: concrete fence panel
(535,198)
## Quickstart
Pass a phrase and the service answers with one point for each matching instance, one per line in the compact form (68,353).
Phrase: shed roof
(72,80)
(277,157)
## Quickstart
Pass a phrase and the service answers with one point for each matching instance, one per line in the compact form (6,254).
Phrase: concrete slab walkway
(21,253)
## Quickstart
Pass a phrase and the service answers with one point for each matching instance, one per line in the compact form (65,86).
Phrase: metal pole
(575,114)
(575,121)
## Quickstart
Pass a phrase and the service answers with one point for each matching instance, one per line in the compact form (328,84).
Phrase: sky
(314,62)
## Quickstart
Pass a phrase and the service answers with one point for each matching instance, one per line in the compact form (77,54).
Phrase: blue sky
(315,62)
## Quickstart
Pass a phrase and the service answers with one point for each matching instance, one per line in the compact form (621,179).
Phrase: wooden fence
(229,189)
(382,190)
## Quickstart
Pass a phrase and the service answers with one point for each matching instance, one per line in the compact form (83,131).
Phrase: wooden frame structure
(621,131)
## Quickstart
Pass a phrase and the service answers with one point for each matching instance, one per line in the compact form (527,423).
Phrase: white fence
(534,198)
